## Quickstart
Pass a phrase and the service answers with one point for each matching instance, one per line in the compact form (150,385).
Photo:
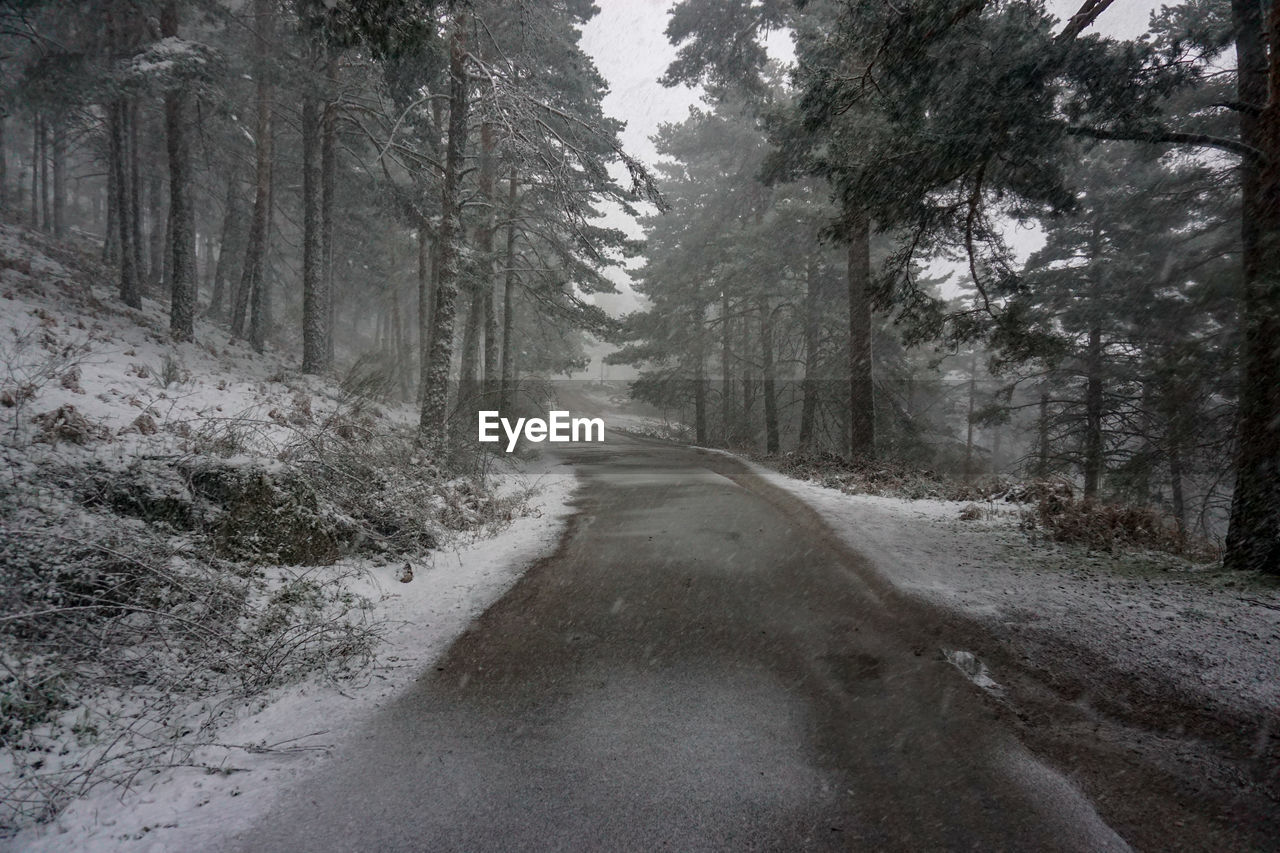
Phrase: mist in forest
(1008,239)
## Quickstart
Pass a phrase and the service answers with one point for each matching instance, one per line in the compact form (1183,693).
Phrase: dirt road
(699,667)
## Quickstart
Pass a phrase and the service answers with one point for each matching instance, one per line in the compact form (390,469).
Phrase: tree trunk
(59,178)
(489,280)
(772,443)
(812,332)
(130,292)
(328,176)
(862,418)
(315,307)
(111,231)
(134,186)
(508,389)
(728,399)
(251,274)
(968,434)
(426,300)
(260,308)
(36,156)
(228,248)
(182,232)
(1042,443)
(159,255)
(1253,538)
(468,387)
(433,423)
(4,167)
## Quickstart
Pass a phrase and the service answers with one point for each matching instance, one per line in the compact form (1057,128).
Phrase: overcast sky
(628,44)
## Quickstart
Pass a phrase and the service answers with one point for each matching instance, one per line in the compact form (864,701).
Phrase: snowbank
(1212,633)
(285,735)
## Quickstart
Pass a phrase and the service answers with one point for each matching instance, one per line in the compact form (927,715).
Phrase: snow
(1212,633)
(285,736)
(61,346)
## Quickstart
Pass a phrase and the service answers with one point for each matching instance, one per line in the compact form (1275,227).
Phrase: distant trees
(941,122)
(320,173)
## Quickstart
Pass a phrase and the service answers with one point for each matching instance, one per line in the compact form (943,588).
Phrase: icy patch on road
(972,668)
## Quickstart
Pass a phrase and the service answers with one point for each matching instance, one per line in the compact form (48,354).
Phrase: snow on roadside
(1213,633)
(284,735)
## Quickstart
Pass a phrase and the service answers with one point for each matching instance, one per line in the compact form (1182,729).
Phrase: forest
(825,261)
(973,302)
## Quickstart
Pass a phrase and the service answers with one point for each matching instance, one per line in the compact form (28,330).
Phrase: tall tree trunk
(862,412)
(110,230)
(772,443)
(159,255)
(489,279)
(46,206)
(130,291)
(1253,538)
(251,276)
(728,398)
(59,178)
(36,156)
(182,231)
(228,248)
(4,165)
(468,387)
(426,299)
(699,376)
(748,375)
(433,423)
(135,191)
(968,435)
(1176,485)
(328,177)
(1042,439)
(260,313)
(1093,415)
(315,307)
(812,332)
(508,389)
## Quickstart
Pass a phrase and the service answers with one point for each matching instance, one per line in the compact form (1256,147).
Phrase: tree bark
(862,420)
(508,390)
(772,443)
(328,177)
(968,434)
(489,281)
(1253,537)
(315,307)
(36,157)
(134,186)
(130,292)
(433,422)
(1093,399)
(426,300)
(182,232)
(59,178)
(228,248)
(812,332)
(251,275)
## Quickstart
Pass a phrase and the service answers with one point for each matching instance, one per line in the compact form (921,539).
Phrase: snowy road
(697,667)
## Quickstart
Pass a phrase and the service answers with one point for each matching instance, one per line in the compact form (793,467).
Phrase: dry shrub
(1105,526)
(886,478)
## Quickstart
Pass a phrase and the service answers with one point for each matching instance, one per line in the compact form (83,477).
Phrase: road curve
(698,667)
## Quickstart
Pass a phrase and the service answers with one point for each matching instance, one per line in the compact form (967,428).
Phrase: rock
(406,573)
(143,424)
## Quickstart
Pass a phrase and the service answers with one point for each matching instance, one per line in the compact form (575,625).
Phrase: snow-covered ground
(284,736)
(68,346)
(1155,617)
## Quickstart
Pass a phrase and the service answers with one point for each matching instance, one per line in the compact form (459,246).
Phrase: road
(700,666)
